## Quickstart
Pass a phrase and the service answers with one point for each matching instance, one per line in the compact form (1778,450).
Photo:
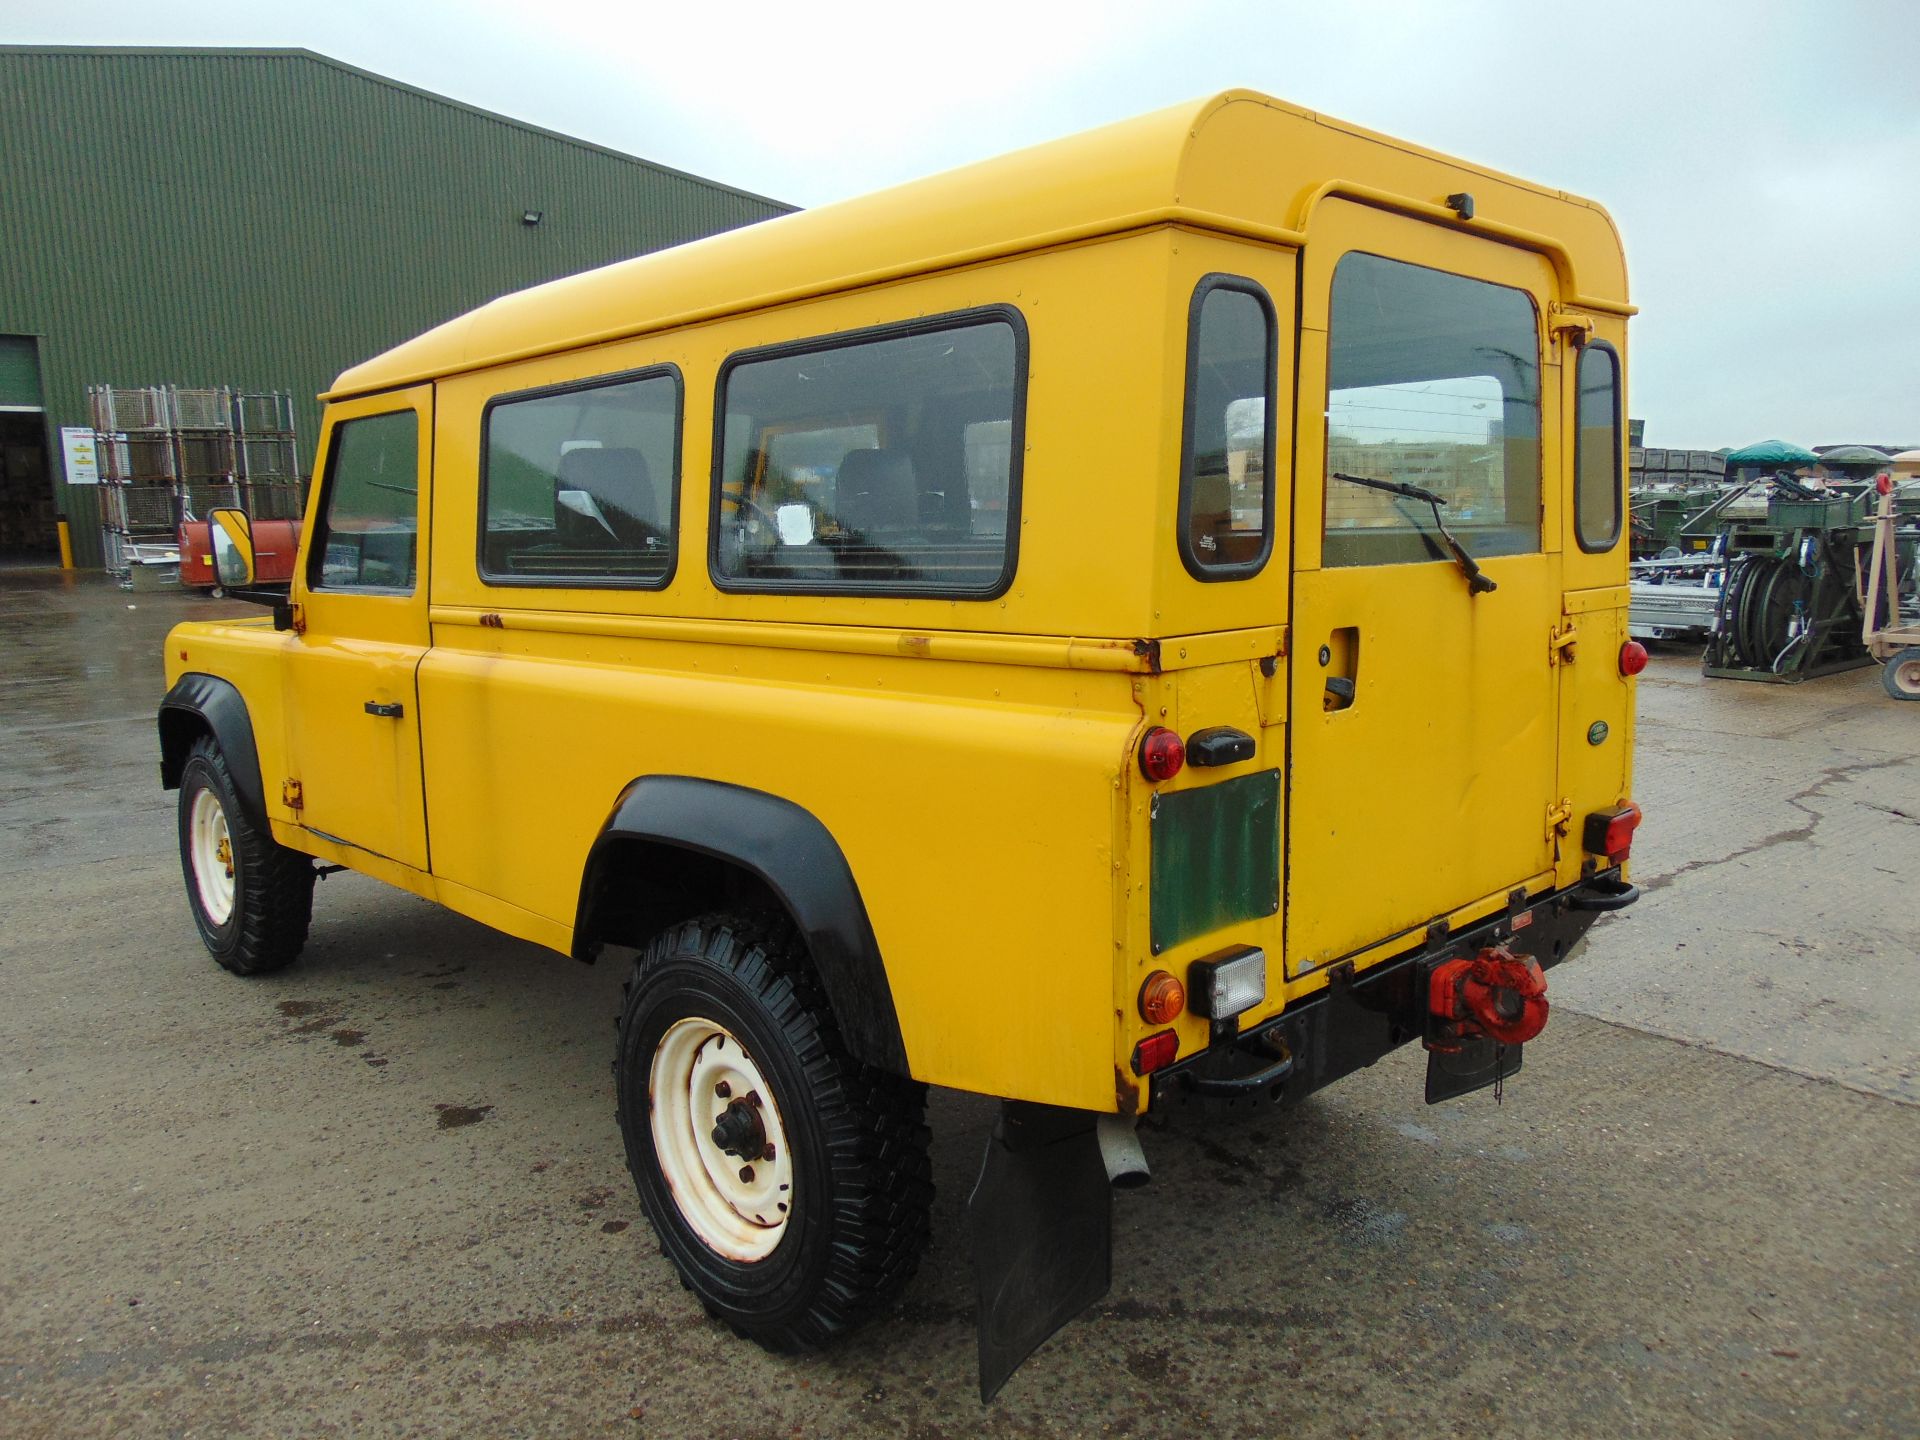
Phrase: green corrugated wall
(264,219)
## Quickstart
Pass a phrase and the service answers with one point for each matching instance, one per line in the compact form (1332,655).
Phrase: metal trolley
(1890,618)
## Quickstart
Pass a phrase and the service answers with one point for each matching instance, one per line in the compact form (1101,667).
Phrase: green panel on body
(1215,857)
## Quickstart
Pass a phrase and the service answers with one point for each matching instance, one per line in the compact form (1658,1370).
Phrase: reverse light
(1162,999)
(1633,658)
(1156,1052)
(1610,832)
(1226,984)
(1161,754)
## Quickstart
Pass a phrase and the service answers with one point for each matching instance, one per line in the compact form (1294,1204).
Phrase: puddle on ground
(452,1117)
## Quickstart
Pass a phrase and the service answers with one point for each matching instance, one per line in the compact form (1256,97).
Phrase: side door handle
(391,712)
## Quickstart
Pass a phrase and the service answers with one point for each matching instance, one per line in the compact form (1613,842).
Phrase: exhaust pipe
(1121,1152)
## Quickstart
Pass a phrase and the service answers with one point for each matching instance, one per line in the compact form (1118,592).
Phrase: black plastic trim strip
(790,851)
(220,706)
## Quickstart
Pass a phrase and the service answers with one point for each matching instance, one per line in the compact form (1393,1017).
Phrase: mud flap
(1041,1224)
(1478,1063)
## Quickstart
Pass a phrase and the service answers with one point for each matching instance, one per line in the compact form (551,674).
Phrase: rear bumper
(1358,1019)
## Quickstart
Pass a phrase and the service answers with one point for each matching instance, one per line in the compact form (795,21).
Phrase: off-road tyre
(265,926)
(861,1184)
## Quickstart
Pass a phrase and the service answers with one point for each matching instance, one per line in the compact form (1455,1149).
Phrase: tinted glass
(886,464)
(370,527)
(1596,449)
(580,485)
(1432,380)
(1226,491)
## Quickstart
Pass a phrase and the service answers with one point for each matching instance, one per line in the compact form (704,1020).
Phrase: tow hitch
(1480,1012)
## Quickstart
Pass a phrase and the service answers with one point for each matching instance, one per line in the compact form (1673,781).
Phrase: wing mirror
(237,571)
(232,535)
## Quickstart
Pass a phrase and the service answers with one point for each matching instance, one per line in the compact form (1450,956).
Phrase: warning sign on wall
(83,468)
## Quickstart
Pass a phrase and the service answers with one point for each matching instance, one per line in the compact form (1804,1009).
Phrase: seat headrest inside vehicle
(616,481)
(875,490)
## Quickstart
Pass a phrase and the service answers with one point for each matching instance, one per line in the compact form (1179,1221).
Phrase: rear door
(1423,761)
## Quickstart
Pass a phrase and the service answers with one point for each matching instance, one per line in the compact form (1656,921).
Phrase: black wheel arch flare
(660,819)
(198,704)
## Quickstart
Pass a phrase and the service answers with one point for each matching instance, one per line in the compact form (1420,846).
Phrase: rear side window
(1432,380)
(1226,466)
(1596,449)
(579,484)
(370,522)
(881,462)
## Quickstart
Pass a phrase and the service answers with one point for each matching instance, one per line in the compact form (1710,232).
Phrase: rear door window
(1433,379)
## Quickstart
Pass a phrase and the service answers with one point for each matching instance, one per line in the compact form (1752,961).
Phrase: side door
(352,707)
(1423,758)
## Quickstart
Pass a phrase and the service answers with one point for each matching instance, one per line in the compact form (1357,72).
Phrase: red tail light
(1633,658)
(1161,754)
(1610,832)
(1156,1052)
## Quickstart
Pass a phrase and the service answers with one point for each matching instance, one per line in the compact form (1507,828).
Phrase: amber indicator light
(1162,998)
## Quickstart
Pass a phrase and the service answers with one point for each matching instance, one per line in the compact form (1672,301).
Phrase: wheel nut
(767,1154)
(723,1090)
(746,1174)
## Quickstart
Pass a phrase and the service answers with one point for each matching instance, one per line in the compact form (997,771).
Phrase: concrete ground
(382,1193)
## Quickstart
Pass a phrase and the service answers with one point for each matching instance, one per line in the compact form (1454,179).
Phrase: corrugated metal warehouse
(262,219)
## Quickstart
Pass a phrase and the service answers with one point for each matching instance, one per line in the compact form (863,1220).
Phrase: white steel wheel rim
(211,847)
(1906,675)
(736,1205)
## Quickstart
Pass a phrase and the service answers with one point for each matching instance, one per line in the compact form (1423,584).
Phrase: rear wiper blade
(1477,581)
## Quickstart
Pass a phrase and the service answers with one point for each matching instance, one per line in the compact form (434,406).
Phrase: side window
(884,462)
(1596,450)
(370,520)
(1433,380)
(1226,464)
(578,484)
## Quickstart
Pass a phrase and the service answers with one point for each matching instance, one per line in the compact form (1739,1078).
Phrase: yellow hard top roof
(1238,162)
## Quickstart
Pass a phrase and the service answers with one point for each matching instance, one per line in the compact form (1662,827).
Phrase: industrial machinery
(1790,604)
(1660,512)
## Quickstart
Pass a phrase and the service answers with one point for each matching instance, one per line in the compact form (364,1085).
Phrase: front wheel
(789,1183)
(252,898)
(1902,675)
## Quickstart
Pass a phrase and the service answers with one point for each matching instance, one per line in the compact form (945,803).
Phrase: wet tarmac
(382,1193)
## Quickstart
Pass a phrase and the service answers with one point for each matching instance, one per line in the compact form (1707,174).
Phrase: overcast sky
(1762,158)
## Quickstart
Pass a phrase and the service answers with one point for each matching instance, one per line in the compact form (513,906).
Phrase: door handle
(391,712)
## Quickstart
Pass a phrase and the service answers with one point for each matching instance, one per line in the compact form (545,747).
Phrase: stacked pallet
(170,453)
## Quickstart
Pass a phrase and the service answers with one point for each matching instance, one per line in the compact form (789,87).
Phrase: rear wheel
(251,897)
(1902,675)
(788,1183)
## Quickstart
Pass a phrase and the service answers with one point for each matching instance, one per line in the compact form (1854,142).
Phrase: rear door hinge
(1577,328)
(1560,641)
(290,794)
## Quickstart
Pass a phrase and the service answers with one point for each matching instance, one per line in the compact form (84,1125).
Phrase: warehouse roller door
(26,479)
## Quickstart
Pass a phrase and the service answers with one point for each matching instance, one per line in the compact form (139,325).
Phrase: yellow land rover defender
(1140,619)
